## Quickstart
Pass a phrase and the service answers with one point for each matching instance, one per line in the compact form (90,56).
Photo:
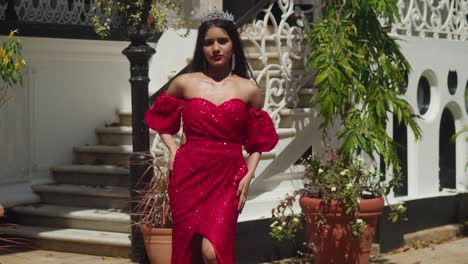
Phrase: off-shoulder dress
(208,167)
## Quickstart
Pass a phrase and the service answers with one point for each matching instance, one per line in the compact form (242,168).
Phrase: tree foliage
(154,12)
(360,74)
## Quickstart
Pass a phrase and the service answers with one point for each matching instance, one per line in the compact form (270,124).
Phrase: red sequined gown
(209,167)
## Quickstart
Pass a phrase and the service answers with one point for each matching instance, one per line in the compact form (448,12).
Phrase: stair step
(125,117)
(305,95)
(286,132)
(105,155)
(273,58)
(252,43)
(82,241)
(277,73)
(50,215)
(81,195)
(256,38)
(290,116)
(297,111)
(120,135)
(104,175)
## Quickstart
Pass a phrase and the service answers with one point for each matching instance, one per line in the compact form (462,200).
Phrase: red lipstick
(217,57)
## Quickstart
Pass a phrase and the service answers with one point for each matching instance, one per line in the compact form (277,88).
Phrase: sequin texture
(209,167)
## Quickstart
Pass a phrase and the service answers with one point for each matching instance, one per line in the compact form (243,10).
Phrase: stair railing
(289,34)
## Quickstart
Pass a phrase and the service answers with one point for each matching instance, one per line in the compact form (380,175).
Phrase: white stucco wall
(434,58)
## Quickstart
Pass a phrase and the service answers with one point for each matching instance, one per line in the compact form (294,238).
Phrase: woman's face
(217,47)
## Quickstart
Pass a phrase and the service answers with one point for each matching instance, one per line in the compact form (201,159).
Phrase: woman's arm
(255,100)
(175,89)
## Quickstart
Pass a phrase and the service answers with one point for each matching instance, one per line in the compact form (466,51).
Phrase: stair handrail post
(139,54)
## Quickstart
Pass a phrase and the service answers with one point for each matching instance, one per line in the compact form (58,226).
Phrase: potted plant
(360,73)
(155,216)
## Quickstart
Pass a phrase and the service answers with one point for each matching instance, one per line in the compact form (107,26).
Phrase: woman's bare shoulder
(180,83)
(250,90)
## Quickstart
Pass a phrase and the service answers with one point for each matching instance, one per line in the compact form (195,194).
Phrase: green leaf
(16,75)
(321,77)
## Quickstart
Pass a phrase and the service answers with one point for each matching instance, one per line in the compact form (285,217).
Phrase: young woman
(220,109)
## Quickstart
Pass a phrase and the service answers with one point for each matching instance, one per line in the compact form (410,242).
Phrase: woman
(210,179)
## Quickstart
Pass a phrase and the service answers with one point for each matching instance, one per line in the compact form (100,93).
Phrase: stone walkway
(52,257)
(452,252)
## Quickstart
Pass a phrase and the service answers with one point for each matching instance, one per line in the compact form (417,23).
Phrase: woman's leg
(208,252)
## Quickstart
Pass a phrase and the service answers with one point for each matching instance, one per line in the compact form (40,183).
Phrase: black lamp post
(139,55)
(10,13)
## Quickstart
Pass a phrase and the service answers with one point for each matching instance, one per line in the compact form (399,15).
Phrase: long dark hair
(241,68)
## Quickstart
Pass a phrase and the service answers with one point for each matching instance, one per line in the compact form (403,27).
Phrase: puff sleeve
(261,133)
(165,115)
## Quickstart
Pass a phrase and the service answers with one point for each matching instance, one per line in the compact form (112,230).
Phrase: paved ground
(455,252)
(52,257)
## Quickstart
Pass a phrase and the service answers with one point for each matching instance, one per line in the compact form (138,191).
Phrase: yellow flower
(11,35)
(2,52)
(5,60)
(19,65)
(23,62)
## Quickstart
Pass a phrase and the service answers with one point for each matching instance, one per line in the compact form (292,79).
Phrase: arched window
(447,151)
(424,95)
(452,82)
(400,137)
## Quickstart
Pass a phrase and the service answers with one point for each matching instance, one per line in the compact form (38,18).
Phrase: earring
(233,62)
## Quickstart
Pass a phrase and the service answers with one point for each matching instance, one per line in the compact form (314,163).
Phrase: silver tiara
(217,14)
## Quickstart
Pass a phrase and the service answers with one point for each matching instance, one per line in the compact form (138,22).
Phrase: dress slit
(197,234)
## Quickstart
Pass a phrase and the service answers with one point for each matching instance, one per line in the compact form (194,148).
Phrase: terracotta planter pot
(158,244)
(334,243)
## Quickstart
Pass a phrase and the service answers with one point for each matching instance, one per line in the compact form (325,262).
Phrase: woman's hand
(170,161)
(243,190)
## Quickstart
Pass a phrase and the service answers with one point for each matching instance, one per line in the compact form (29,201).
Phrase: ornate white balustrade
(433,18)
(77,12)
(287,37)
